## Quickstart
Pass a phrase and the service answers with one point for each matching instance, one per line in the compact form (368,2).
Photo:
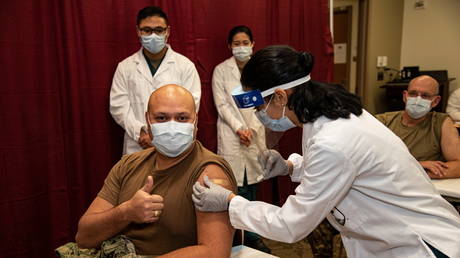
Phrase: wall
(384,39)
(431,37)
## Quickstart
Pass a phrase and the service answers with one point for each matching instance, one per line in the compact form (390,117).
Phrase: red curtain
(57,138)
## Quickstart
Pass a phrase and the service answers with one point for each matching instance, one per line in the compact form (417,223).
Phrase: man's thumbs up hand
(148,187)
(143,207)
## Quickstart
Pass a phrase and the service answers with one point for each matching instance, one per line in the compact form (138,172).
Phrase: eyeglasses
(146,31)
(424,95)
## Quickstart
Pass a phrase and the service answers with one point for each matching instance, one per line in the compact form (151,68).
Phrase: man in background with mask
(136,77)
(147,196)
(430,136)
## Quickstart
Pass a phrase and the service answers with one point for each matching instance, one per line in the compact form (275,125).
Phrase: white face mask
(242,53)
(153,43)
(417,107)
(276,125)
(172,138)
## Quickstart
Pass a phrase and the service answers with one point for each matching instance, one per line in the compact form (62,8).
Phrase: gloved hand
(273,164)
(212,199)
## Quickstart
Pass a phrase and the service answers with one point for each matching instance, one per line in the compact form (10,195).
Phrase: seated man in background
(147,195)
(430,136)
(453,106)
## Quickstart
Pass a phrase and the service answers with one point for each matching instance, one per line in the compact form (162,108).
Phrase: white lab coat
(356,169)
(225,78)
(133,83)
(453,105)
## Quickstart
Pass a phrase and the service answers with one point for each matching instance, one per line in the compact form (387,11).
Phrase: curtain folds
(57,138)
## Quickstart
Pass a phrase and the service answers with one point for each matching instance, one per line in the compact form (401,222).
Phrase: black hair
(275,65)
(239,29)
(150,11)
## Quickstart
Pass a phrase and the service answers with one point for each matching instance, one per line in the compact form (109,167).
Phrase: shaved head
(425,83)
(171,95)
(171,102)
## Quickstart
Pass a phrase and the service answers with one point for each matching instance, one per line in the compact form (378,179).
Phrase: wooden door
(342,45)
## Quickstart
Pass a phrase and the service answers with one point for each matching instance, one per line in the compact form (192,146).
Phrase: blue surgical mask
(153,43)
(417,107)
(276,125)
(172,138)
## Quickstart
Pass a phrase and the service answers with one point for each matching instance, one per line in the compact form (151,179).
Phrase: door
(342,45)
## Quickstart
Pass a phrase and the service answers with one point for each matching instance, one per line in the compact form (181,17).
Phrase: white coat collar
(311,129)
(143,67)
(231,63)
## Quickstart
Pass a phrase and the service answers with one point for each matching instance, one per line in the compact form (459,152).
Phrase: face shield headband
(253,98)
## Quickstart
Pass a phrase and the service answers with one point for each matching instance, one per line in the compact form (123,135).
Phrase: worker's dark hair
(150,11)
(238,29)
(275,65)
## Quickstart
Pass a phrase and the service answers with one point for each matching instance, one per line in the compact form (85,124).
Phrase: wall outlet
(382,61)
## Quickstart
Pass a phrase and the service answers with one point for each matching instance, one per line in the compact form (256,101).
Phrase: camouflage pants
(117,247)
(325,241)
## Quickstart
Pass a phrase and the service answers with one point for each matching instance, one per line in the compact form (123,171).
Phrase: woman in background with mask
(239,132)
(354,171)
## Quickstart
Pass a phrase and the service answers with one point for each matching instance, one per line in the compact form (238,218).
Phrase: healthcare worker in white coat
(353,170)
(136,77)
(240,135)
(453,106)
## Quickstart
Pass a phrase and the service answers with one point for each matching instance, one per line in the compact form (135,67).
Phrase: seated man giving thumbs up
(147,195)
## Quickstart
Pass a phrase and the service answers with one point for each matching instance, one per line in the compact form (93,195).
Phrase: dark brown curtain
(57,58)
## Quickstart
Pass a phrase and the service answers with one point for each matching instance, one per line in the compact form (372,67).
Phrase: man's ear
(196,126)
(168,32)
(404,96)
(435,101)
(147,121)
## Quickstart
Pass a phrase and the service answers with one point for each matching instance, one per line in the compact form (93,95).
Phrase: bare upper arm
(217,175)
(450,140)
(98,205)
(214,228)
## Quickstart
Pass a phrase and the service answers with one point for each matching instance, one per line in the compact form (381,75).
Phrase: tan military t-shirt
(422,140)
(177,225)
